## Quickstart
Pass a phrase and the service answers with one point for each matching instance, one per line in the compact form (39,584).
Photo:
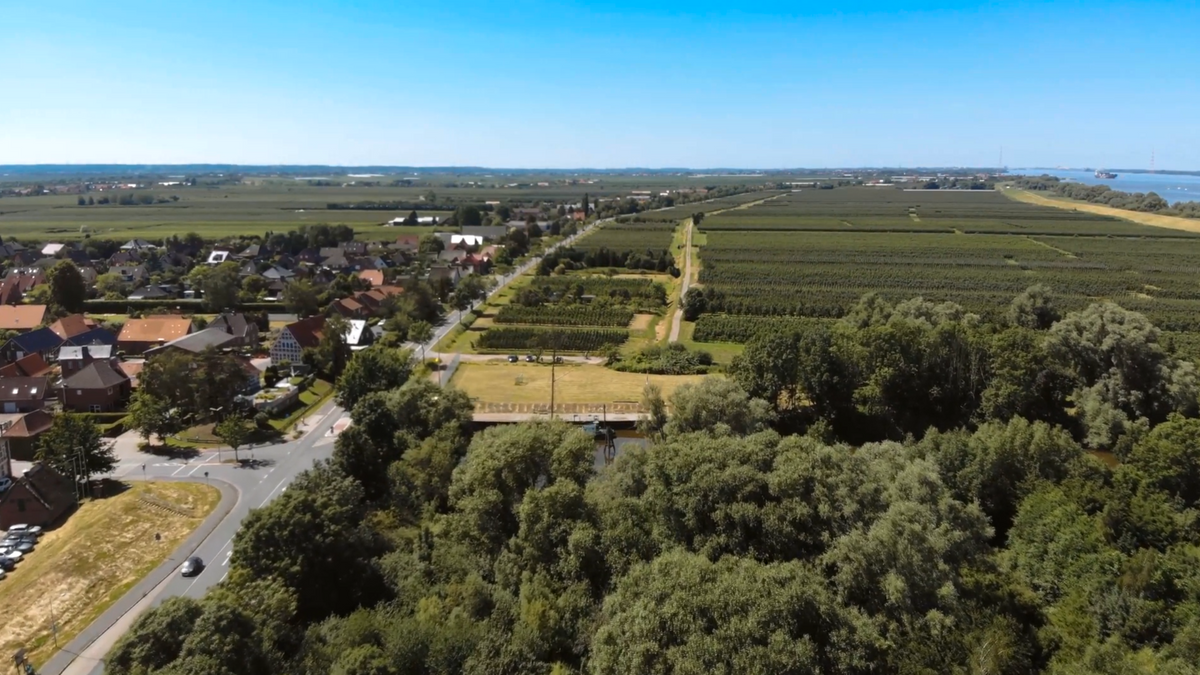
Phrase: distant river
(1171,188)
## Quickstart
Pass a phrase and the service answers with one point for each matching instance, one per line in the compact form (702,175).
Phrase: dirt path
(677,320)
(1151,219)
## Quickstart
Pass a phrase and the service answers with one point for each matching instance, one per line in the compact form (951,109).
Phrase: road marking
(272,493)
(227,557)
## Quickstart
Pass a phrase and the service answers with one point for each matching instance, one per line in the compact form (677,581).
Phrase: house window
(95,408)
(21,506)
(110,390)
(79,392)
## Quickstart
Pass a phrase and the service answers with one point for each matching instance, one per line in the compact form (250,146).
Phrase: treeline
(724,546)
(567,259)
(889,371)
(389,206)
(1148,202)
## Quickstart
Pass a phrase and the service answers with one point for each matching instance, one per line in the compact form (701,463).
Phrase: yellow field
(1152,219)
(575,383)
(80,568)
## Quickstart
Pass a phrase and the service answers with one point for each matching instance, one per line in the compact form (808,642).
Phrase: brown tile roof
(70,326)
(21,317)
(97,375)
(155,329)
(30,366)
(132,370)
(29,425)
(373,276)
(23,388)
(307,331)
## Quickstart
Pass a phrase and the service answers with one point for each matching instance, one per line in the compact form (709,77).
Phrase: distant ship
(1106,175)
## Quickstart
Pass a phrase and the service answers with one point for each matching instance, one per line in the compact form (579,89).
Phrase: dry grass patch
(574,383)
(641,321)
(80,568)
(1152,219)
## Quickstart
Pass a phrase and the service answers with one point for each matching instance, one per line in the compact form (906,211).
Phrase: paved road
(253,485)
(677,319)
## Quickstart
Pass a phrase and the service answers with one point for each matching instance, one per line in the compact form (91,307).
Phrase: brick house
(21,318)
(74,359)
(18,435)
(33,365)
(40,497)
(138,335)
(23,394)
(97,388)
(42,341)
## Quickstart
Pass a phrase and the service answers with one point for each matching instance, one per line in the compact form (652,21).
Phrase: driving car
(191,567)
(513,358)
(530,358)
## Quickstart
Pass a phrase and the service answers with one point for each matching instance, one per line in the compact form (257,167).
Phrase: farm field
(813,254)
(574,383)
(575,313)
(265,204)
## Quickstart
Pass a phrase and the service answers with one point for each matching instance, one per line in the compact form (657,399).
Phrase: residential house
(295,337)
(41,496)
(18,283)
(354,247)
(149,293)
(42,341)
(439,273)
(80,258)
(195,343)
(451,256)
(358,335)
(138,245)
(19,434)
(277,273)
(33,365)
(96,388)
(52,249)
(95,336)
(309,255)
(374,299)
(334,259)
(218,256)
(131,274)
(348,308)
(243,329)
(252,252)
(23,394)
(373,277)
(123,258)
(410,243)
(132,370)
(21,318)
(138,335)
(72,325)
(74,359)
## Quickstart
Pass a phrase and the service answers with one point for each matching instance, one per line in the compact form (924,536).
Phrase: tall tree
(67,290)
(373,369)
(73,447)
(220,287)
(420,332)
(301,298)
(233,432)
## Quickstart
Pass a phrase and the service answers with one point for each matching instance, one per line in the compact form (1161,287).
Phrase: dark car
(530,358)
(513,358)
(192,566)
(6,564)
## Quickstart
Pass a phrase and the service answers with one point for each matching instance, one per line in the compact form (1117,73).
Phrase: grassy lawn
(79,569)
(722,352)
(310,399)
(574,383)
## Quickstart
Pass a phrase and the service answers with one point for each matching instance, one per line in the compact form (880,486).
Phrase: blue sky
(601,84)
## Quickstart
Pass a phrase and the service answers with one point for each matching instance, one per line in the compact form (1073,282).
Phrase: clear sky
(601,84)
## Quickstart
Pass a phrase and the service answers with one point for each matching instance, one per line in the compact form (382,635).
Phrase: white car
(13,555)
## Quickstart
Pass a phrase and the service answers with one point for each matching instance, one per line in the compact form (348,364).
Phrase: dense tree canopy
(909,490)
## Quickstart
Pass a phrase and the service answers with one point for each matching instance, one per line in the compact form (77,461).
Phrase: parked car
(22,545)
(3,574)
(513,358)
(12,554)
(6,564)
(191,567)
(22,528)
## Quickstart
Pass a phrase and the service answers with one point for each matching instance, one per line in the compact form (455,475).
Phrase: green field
(815,253)
(255,205)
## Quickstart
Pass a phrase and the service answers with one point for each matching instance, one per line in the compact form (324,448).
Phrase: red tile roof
(155,329)
(70,326)
(30,366)
(21,317)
